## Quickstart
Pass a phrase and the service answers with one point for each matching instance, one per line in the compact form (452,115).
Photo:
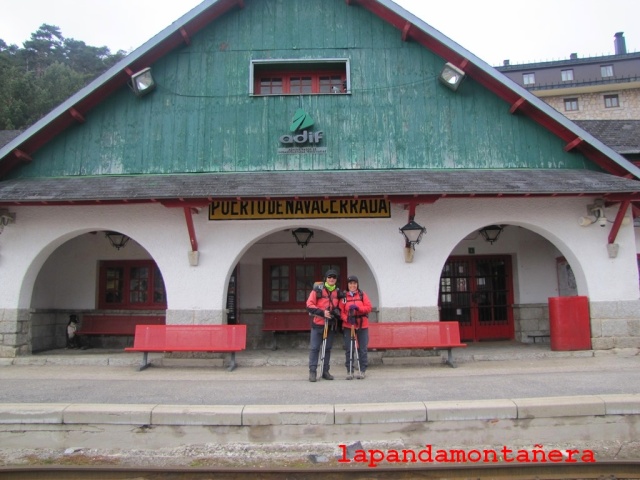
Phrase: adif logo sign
(301,135)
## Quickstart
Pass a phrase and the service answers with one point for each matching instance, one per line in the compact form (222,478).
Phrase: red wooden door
(478,293)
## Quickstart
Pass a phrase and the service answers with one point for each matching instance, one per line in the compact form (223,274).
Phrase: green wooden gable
(201,117)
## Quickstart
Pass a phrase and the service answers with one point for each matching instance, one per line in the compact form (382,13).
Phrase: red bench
(116,324)
(286,322)
(416,335)
(189,338)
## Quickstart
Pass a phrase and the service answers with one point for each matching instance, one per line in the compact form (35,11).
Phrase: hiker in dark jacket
(324,306)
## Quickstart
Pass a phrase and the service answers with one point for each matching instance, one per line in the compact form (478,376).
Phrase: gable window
(131,284)
(611,101)
(528,78)
(299,77)
(606,71)
(570,104)
(288,281)
(567,75)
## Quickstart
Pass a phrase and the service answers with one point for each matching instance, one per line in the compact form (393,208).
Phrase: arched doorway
(274,277)
(499,290)
(477,292)
(100,281)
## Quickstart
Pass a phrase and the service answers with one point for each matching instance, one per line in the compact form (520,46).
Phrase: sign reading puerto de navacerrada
(301,140)
(286,209)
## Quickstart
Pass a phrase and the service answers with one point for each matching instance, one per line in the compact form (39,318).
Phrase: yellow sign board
(285,209)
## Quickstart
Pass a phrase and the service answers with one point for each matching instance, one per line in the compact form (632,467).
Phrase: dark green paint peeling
(202,119)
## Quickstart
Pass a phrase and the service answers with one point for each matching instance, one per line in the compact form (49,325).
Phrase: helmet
(330,273)
(352,278)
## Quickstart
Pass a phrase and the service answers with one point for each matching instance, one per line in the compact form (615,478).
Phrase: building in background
(601,94)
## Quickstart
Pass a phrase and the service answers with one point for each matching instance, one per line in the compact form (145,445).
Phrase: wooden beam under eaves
(76,115)
(573,144)
(188,215)
(406,31)
(617,223)
(517,105)
(22,156)
(185,36)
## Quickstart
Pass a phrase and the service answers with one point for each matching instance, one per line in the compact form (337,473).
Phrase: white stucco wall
(374,248)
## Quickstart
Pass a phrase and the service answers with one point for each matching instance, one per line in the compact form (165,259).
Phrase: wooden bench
(416,335)
(118,324)
(189,338)
(285,322)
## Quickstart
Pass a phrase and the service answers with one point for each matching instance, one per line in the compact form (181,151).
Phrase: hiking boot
(349,376)
(327,376)
(312,376)
(360,376)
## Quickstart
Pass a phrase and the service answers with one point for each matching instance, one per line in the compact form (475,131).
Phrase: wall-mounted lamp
(451,76)
(491,233)
(302,236)
(117,240)
(6,217)
(412,233)
(596,214)
(142,82)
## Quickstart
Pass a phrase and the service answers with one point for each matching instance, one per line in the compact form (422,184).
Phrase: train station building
(216,172)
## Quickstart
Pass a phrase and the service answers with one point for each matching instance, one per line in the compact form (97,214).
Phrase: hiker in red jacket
(354,312)
(324,306)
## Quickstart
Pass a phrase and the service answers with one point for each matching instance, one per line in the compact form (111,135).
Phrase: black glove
(351,319)
(335,314)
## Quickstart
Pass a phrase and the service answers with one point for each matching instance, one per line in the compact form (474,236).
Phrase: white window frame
(529,76)
(297,61)
(567,75)
(606,71)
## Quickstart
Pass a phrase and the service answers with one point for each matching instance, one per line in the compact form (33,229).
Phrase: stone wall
(15,333)
(48,330)
(407,314)
(530,319)
(615,325)
(591,105)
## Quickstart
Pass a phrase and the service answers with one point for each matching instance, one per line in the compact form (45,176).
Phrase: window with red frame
(131,284)
(306,78)
(288,281)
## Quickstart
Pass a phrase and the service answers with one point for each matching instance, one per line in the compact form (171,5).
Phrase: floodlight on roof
(451,76)
(142,82)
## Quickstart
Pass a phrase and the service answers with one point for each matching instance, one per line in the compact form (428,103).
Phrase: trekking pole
(354,338)
(324,346)
(351,352)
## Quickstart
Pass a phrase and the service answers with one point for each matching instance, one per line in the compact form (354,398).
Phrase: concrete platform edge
(248,415)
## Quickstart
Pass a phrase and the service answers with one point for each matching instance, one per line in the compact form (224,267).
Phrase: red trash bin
(569,323)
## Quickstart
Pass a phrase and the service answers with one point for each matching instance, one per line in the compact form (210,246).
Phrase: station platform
(500,394)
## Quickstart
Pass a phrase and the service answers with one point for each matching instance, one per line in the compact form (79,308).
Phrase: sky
(493,30)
